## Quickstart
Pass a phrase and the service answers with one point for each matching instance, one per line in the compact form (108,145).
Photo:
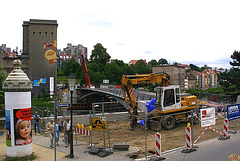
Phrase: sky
(186,31)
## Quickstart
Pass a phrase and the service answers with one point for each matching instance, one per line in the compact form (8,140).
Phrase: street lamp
(71,85)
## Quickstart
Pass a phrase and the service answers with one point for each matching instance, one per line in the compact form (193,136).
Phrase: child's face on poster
(24,129)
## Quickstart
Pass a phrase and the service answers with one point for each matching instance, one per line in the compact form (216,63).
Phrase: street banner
(207,117)
(233,112)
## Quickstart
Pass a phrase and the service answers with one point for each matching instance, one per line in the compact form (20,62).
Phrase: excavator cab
(168,98)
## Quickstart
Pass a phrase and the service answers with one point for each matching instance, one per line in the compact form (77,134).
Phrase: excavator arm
(128,80)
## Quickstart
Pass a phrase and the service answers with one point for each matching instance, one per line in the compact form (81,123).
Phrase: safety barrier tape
(200,135)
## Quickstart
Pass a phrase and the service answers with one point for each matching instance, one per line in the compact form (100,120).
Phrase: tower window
(33,32)
(52,33)
(40,33)
(46,33)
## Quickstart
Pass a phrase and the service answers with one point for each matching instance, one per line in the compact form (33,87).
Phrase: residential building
(133,62)
(177,73)
(7,57)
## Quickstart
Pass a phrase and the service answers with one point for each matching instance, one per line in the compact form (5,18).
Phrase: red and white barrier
(188,138)
(158,144)
(83,131)
(225,128)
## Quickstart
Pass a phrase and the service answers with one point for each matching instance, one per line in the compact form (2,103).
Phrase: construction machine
(170,106)
(85,71)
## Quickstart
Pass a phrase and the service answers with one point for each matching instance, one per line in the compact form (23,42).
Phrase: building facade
(177,74)
(7,56)
(40,45)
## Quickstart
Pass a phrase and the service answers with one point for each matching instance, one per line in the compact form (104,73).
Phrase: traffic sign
(64,105)
(97,124)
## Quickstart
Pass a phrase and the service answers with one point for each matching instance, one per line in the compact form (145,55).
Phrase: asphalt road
(210,150)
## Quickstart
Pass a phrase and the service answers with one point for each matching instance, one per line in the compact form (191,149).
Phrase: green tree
(99,54)
(195,68)
(162,61)
(113,72)
(231,79)
(141,67)
(153,62)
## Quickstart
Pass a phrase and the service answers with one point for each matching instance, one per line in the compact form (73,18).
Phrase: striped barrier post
(188,138)
(158,144)
(189,148)
(225,128)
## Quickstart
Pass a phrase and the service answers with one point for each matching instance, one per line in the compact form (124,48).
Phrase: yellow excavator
(170,106)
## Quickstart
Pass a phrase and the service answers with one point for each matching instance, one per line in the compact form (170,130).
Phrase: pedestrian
(66,127)
(50,128)
(36,120)
(60,124)
(57,132)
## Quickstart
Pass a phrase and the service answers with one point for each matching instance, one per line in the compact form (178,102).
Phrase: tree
(162,61)
(99,54)
(153,62)
(113,73)
(141,67)
(195,68)
(231,79)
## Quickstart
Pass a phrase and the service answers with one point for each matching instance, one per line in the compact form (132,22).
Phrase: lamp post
(71,84)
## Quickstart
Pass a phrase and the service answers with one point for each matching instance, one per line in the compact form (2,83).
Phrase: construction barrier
(188,138)
(80,130)
(158,144)
(225,128)
(83,132)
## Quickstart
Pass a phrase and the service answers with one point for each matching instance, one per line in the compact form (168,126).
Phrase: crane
(85,71)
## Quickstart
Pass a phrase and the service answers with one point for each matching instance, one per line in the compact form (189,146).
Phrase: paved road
(81,151)
(210,150)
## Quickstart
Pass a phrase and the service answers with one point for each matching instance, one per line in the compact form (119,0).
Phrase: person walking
(50,128)
(57,132)
(66,127)
(36,120)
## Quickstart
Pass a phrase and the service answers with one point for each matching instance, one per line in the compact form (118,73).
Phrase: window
(40,33)
(169,98)
(46,33)
(177,95)
(52,33)
(33,32)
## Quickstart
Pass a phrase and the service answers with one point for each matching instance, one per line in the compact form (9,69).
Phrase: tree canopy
(99,54)
(230,80)
(162,61)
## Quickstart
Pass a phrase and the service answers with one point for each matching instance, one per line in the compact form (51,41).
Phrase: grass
(25,158)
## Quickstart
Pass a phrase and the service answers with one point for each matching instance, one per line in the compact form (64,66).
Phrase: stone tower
(39,43)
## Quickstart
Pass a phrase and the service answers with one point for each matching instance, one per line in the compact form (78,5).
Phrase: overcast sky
(184,31)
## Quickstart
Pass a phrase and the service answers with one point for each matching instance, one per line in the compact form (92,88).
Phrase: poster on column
(233,112)
(207,117)
(8,128)
(22,122)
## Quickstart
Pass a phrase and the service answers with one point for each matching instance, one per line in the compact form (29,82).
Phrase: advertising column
(17,88)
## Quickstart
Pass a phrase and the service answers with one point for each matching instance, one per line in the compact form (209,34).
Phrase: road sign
(64,105)
(97,124)
(207,117)
(233,112)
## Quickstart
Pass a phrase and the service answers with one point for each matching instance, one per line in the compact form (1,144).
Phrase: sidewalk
(80,151)
(42,149)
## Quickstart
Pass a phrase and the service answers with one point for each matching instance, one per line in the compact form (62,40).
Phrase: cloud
(148,52)
(100,23)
